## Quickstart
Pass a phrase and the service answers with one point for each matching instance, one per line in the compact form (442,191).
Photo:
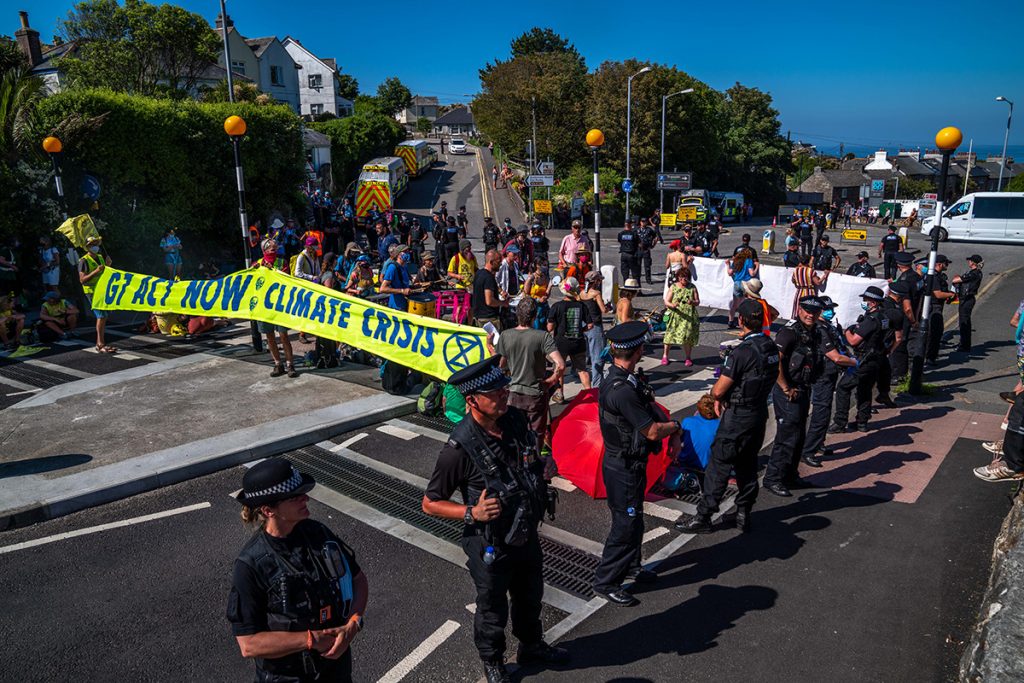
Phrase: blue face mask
(404,257)
(828,313)
(863,305)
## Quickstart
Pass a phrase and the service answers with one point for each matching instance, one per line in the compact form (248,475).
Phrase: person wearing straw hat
(752,291)
(624,311)
(297,594)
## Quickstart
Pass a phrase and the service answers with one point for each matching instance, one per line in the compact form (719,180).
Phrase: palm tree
(20,91)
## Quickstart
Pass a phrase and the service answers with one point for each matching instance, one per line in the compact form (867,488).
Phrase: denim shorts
(266,328)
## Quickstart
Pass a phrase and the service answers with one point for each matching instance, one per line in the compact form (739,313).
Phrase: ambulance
(417,155)
(380,184)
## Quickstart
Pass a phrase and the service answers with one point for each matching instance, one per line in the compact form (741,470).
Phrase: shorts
(52,278)
(577,354)
(172,259)
(737,289)
(267,328)
(535,407)
(100,314)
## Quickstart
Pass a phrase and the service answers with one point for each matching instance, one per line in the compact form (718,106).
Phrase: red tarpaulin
(578,448)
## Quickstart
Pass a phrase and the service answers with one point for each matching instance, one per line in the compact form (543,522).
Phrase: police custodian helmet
(480,377)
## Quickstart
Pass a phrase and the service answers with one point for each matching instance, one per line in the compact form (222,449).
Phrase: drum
(422,304)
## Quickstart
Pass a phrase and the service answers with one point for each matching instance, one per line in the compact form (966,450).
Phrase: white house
(421,108)
(278,72)
(318,83)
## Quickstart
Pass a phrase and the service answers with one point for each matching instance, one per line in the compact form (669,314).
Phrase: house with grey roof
(264,60)
(318,83)
(837,185)
(421,108)
(458,121)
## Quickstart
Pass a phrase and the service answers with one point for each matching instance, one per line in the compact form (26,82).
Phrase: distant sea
(983,151)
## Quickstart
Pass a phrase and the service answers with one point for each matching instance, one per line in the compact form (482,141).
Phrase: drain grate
(565,567)
(44,378)
(440,424)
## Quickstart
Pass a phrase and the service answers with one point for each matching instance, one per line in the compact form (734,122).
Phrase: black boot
(697,524)
(811,461)
(541,653)
(495,672)
(743,520)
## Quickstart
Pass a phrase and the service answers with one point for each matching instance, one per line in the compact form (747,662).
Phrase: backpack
(394,378)
(430,403)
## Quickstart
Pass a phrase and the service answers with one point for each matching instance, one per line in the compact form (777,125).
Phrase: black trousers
(645,260)
(735,448)
(899,359)
(935,324)
(629,264)
(626,482)
(966,308)
(860,382)
(884,377)
(806,246)
(846,221)
(822,393)
(791,422)
(889,261)
(516,573)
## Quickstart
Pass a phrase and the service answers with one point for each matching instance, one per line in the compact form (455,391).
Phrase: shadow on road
(21,468)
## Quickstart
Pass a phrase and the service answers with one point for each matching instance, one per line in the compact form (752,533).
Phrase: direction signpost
(540,180)
(546,168)
(674,181)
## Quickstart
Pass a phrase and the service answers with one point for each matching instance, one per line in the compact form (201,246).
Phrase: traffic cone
(773,222)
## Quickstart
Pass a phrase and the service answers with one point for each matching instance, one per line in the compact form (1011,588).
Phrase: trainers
(993,447)
(558,398)
(688,363)
(292,372)
(277,371)
(997,471)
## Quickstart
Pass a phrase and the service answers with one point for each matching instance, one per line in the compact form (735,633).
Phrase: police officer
(492,235)
(629,252)
(899,358)
(892,308)
(867,338)
(297,596)
(704,240)
(941,293)
(862,268)
(741,401)
(805,231)
(825,256)
(803,346)
(648,234)
(890,245)
(632,428)
(968,285)
(823,389)
(492,459)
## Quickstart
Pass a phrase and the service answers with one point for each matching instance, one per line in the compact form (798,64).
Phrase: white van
(982,217)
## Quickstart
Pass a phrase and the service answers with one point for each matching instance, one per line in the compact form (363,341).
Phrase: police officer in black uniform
(632,428)
(629,252)
(861,267)
(492,234)
(493,460)
(890,245)
(648,235)
(899,358)
(892,308)
(823,389)
(941,293)
(803,347)
(297,596)
(867,339)
(805,231)
(967,286)
(741,401)
(825,256)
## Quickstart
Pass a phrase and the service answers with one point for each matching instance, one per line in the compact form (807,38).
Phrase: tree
(424,125)
(245,91)
(20,92)
(357,139)
(755,156)
(137,47)
(348,86)
(1016,184)
(543,41)
(909,188)
(11,55)
(393,96)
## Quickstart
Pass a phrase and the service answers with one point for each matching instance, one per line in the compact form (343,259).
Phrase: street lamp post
(947,140)
(1006,138)
(53,147)
(629,115)
(595,138)
(234,126)
(664,99)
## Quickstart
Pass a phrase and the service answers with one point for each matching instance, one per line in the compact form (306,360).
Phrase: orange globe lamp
(949,138)
(52,145)
(234,126)
(595,138)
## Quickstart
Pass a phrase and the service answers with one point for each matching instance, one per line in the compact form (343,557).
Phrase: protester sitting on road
(297,593)
(360,281)
(272,260)
(171,246)
(569,321)
(698,434)
(463,266)
(428,276)
(11,323)
(59,318)
(395,281)
(524,352)
(624,307)
(328,276)
(683,323)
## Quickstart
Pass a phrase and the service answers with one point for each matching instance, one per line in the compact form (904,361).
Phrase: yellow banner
(542,206)
(668,220)
(435,347)
(78,229)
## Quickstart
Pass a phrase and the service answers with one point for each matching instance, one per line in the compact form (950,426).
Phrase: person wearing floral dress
(682,324)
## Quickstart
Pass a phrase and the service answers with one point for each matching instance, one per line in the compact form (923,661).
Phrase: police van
(417,155)
(728,204)
(982,217)
(380,184)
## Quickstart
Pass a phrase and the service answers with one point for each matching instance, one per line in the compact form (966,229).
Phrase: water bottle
(489,555)
(631,511)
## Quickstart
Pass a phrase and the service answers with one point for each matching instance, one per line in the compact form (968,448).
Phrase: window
(316,109)
(991,207)
(1016,208)
(276,75)
(842,192)
(316,81)
(959,210)
(238,67)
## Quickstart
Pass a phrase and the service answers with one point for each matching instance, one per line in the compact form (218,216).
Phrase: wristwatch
(467,517)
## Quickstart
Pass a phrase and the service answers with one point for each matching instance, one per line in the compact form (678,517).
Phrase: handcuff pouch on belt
(804,362)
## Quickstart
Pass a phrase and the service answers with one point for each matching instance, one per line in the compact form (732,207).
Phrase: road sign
(540,181)
(576,209)
(627,185)
(668,220)
(542,206)
(926,208)
(877,188)
(546,168)
(855,236)
(930,195)
(674,181)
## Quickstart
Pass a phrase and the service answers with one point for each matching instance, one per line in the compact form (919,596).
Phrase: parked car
(457,146)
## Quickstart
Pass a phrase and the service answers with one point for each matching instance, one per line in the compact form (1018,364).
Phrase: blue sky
(865,73)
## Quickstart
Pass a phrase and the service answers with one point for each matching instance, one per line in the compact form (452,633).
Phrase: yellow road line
(955,319)
(483,182)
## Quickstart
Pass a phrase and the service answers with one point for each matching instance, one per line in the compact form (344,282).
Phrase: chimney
(220,22)
(28,41)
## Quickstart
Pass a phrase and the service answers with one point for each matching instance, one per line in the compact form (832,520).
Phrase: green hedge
(357,139)
(168,163)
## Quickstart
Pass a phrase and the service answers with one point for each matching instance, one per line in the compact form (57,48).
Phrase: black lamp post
(235,127)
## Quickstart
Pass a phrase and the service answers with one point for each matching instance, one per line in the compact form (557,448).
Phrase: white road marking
(347,442)
(70,342)
(398,432)
(422,651)
(74,372)
(21,386)
(661,512)
(471,608)
(422,431)
(22,393)
(570,539)
(654,533)
(102,527)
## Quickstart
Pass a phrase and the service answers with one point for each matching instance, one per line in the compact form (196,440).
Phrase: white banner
(714,284)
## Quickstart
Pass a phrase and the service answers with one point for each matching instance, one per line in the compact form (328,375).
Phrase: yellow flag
(79,229)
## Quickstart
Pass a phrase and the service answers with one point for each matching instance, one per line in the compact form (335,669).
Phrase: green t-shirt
(525,353)
(454,404)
